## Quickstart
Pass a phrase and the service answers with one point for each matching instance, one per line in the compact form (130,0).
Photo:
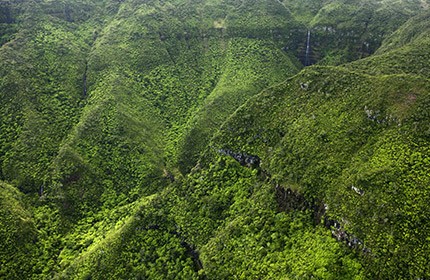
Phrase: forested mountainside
(214,139)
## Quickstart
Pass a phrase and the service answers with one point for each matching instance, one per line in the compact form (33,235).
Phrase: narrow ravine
(84,81)
(190,249)
(290,200)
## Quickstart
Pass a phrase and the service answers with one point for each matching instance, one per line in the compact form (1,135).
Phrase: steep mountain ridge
(163,139)
(330,150)
(405,51)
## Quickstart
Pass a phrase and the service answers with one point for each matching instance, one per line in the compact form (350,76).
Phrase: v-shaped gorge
(181,140)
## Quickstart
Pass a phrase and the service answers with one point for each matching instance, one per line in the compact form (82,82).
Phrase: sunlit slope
(88,99)
(250,66)
(17,232)
(121,121)
(404,52)
(357,139)
(343,30)
(330,133)
(42,71)
(97,99)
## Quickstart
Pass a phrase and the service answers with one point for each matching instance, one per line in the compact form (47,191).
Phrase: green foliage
(249,248)
(325,131)
(133,241)
(41,99)
(250,66)
(405,51)
(118,120)
(343,31)
(394,174)
(18,234)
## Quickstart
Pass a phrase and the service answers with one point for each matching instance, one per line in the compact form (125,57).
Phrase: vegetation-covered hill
(214,139)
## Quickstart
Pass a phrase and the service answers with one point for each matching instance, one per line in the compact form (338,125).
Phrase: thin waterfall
(308,43)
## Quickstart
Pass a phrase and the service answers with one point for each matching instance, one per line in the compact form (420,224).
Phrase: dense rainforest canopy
(214,139)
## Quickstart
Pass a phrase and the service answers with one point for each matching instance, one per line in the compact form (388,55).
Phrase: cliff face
(214,139)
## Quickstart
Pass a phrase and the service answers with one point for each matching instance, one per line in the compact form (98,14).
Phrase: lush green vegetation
(186,140)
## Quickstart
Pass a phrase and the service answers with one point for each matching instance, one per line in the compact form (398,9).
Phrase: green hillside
(214,139)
